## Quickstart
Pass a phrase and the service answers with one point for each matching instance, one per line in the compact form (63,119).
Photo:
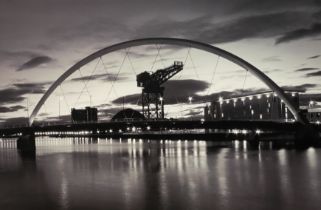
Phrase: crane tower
(152,92)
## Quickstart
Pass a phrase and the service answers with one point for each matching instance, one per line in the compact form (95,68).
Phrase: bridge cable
(244,80)
(213,76)
(161,59)
(180,76)
(133,69)
(86,82)
(193,64)
(130,62)
(184,63)
(64,96)
(107,73)
(115,78)
(158,51)
(158,47)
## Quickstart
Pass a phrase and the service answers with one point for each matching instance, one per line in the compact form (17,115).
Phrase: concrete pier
(27,142)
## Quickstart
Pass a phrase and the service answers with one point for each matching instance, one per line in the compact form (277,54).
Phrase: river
(114,174)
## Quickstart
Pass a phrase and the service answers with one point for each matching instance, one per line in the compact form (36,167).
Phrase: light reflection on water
(84,173)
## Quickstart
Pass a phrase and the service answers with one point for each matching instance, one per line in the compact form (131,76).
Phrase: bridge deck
(164,125)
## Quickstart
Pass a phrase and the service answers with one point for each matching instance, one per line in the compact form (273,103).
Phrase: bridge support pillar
(254,140)
(305,136)
(27,142)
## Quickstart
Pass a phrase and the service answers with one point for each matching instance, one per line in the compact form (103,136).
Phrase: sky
(41,39)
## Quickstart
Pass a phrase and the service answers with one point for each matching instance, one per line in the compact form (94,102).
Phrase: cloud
(314,74)
(175,91)
(178,91)
(104,77)
(272,59)
(5,55)
(312,31)
(306,69)
(34,62)
(21,121)
(299,88)
(271,70)
(128,99)
(317,15)
(209,30)
(4,109)
(314,57)
(16,93)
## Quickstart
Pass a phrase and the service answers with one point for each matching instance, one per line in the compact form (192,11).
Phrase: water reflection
(100,173)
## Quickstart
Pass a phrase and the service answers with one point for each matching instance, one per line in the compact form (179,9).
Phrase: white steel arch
(171,41)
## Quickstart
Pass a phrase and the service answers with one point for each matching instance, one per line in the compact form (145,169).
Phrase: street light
(60,99)
(190,98)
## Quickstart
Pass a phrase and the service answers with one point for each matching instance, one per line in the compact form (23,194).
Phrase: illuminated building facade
(312,112)
(260,106)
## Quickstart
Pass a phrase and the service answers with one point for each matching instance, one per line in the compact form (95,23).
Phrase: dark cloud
(306,69)
(11,95)
(107,21)
(312,31)
(128,99)
(314,74)
(32,88)
(16,121)
(212,31)
(176,91)
(317,15)
(4,109)
(104,77)
(174,88)
(299,88)
(248,6)
(314,57)
(34,62)
(5,55)
(272,70)
(135,54)
(272,59)
(16,93)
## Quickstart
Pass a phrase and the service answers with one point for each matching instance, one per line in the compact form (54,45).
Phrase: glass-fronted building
(259,106)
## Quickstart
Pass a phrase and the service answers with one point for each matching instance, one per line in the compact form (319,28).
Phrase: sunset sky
(40,39)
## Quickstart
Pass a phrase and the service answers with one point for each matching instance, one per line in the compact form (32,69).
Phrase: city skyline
(42,39)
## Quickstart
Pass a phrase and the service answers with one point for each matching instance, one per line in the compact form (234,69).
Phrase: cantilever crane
(152,92)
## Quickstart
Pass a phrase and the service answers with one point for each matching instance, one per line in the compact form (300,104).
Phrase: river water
(130,174)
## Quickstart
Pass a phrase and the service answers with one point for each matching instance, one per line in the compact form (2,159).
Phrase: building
(88,114)
(259,106)
(312,112)
(128,115)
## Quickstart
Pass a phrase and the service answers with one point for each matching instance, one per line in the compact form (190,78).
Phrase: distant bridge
(165,126)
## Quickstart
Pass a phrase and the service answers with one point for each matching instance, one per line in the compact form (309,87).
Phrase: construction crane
(152,92)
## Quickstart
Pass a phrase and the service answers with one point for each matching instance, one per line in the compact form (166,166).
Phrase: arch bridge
(178,42)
